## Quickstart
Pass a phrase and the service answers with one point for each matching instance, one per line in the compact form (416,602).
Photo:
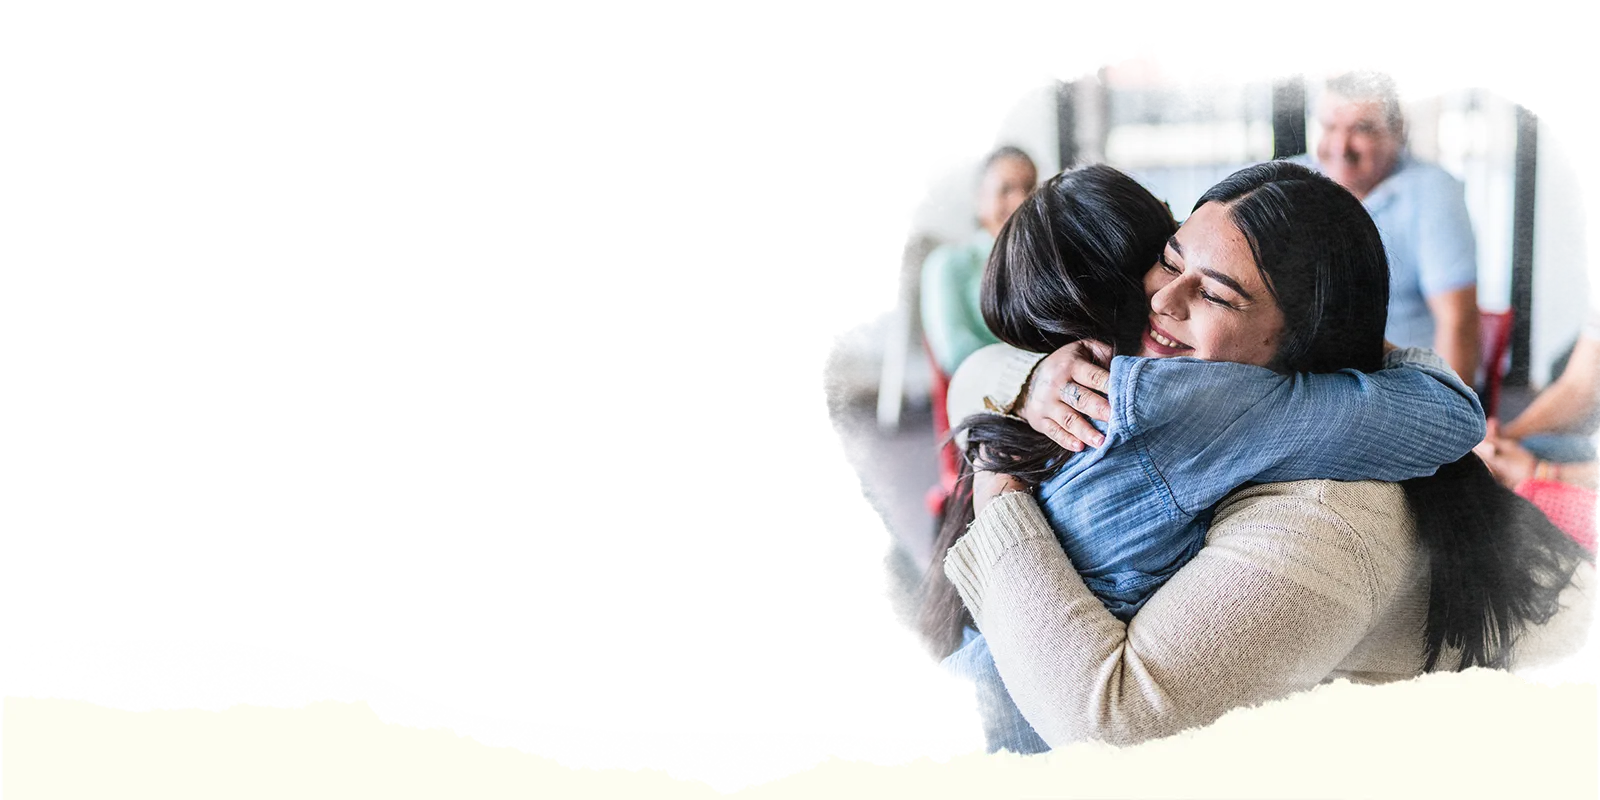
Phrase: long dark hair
(1496,564)
(1068,265)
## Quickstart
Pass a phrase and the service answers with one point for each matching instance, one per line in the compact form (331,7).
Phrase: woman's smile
(1161,342)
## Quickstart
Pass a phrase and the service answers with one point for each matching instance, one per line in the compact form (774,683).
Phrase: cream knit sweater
(1298,583)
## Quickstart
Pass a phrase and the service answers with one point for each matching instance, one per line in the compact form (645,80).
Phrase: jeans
(1004,727)
(1563,448)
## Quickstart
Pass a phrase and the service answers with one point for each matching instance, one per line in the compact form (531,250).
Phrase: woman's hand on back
(987,486)
(1066,389)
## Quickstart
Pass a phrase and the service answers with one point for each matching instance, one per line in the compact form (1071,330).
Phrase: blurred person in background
(1552,438)
(1421,213)
(953,274)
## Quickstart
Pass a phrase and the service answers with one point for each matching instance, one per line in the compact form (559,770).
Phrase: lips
(1162,342)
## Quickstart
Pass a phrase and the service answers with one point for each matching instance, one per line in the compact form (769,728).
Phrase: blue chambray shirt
(1421,214)
(1185,433)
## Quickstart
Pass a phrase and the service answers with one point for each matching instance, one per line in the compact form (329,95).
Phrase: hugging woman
(1184,607)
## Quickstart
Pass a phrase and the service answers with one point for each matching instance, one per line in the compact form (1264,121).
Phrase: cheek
(1154,280)
(989,209)
(1223,336)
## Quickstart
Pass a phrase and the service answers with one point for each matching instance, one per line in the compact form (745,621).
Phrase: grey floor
(901,468)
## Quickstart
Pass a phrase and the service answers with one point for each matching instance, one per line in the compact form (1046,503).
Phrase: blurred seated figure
(1552,438)
(952,274)
(1421,213)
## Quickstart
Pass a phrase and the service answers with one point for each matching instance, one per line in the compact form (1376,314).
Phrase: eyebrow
(1228,282)
(1172,242)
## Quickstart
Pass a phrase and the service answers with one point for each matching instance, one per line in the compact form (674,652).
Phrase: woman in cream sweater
(1296,583)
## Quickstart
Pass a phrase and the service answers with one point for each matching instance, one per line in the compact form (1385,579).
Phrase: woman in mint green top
(953,274)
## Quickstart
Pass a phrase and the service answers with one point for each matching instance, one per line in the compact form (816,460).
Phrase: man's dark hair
(1364,82)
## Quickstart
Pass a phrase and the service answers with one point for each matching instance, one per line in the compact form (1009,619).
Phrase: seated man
(1421,213)
(1535,445)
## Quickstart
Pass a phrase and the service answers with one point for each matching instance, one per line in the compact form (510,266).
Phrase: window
(1181,138)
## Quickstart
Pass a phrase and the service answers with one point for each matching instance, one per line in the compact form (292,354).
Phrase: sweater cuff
(1011,380)
(990,380)
(1011,519)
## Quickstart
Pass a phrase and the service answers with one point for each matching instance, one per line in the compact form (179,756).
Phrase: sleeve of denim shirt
(1447,251)
(1205,428)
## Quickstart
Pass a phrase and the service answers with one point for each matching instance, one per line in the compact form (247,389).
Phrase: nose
(1168,301)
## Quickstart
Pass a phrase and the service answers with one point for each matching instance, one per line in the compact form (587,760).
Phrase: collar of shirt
(1385,192)
(1381,195)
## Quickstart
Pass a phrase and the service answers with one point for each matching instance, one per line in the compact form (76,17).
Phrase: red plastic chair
(1494,340)
(1570,507)
(948,465)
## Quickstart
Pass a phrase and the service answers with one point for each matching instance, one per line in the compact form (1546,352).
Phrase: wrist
(1546,471)
(1021,400)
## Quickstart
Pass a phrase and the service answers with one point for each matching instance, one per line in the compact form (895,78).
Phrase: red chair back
(1494,340)
(948,469)
(1570,507)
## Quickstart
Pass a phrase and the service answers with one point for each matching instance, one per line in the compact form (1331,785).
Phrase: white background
(466,359)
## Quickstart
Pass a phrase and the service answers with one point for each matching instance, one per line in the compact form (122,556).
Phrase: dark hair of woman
(1068,265)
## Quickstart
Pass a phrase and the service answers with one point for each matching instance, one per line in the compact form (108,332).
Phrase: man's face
(1358,149)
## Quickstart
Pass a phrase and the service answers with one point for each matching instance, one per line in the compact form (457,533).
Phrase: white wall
(1564,245)
(948,212)
(1492,192)
(946,207)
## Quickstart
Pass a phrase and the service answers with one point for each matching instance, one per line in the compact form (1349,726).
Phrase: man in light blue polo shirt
(1420,210)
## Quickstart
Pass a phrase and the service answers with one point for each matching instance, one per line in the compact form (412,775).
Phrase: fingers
(1090,403)
(1485,450)
(1102,351)
(1070,429)
(1084,430)
(1059,435)
(1092,374)
(1065,393)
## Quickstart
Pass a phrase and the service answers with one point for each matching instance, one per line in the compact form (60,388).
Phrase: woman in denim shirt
(1184,433)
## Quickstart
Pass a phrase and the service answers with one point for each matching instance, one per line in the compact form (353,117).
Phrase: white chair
(903,339)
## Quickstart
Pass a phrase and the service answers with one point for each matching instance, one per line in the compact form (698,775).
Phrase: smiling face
(1006,183)
(1207,298)
(1359,147)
